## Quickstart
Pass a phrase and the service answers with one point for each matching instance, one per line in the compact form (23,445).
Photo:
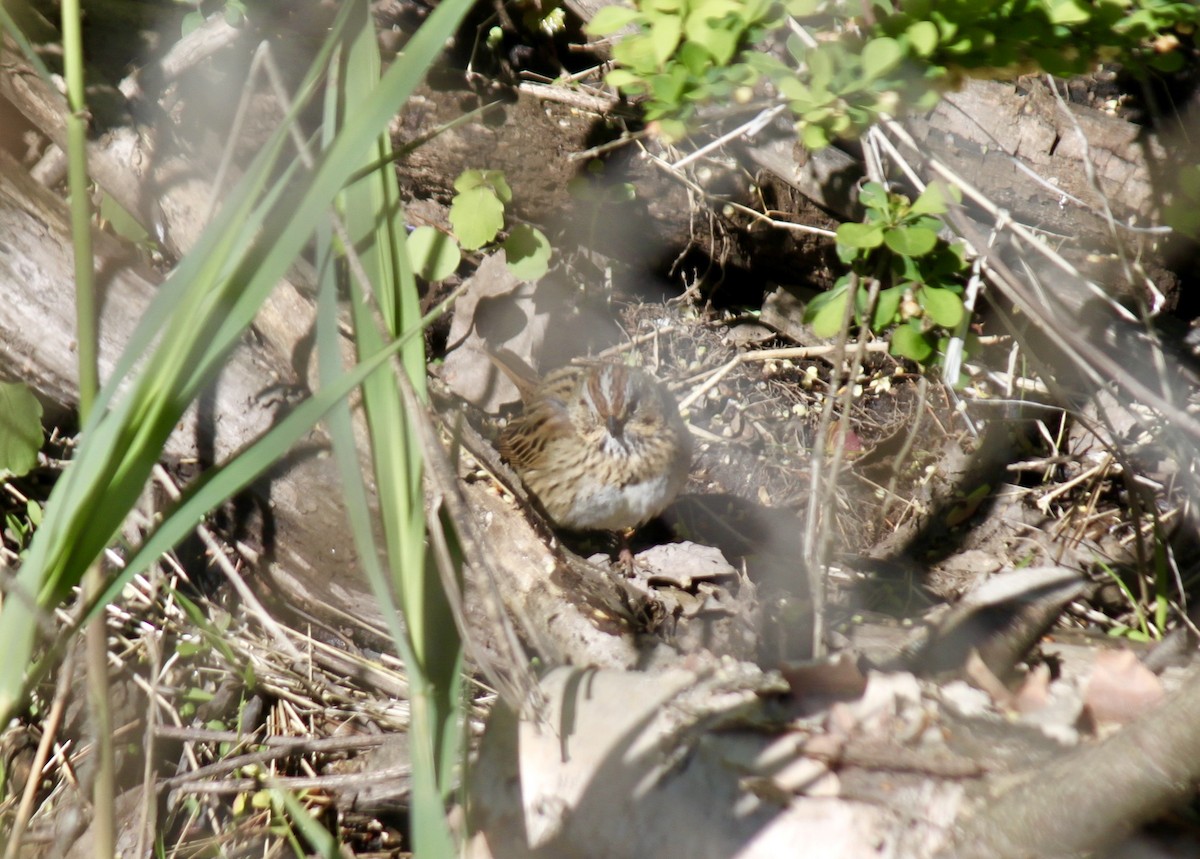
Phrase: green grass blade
(115,460)
(376,233)
(226,480)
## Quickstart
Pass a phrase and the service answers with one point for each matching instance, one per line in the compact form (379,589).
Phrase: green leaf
(499,185)
(313,831)
(492,180)
(671,130)
(434,254)
(718,41)
(872,195)
(626,80)
(821,64)
(910,241)
(668,87)
(792,89)
(802,8)
(880,56)
(814,137)
(887,306)
(191,21)
(923,36)
(931,202)
(855,235)
(697,59)
(123,223)
(610,19)
(1068,12)
(528,252)
(796,48)
(476,216)
(636,53)
(825,312)
(909,342)
(926,222)
(469,180)
(665,32)
(20,428)
(943,306)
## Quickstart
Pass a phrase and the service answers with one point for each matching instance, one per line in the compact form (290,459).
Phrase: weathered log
(308,545)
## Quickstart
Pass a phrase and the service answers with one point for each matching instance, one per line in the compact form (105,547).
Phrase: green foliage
(683,52)
(124,224)
(477,217)
(1182,212)
(850,70)
(20,529)
(921,273)
(196,318)
(434,255)
(233,10)
(527,251)
(477,212)
(20,428)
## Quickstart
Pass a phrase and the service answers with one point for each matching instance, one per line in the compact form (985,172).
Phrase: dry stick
(713,377)
(235,579)
(816,539)
(295,783)
(591,103)
(669,169)
(358,742)
(276,751)
(910,439)
(146,820)
(747,129)
(814,546)
(49,734)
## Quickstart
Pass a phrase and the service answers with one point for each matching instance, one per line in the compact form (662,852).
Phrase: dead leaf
(496,310)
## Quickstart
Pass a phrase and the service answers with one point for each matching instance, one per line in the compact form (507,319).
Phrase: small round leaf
(476,217)
(887,306)
(943,306)
(909,342)
(20,428)
(610,19)
(855,235)
(665,31)
(909,241)
(923,36)
(931,202)
(434,254)
(872,195)
(528,252)
(880,56)
(825,316)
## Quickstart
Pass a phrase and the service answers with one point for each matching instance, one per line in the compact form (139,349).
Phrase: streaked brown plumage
(602,447)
